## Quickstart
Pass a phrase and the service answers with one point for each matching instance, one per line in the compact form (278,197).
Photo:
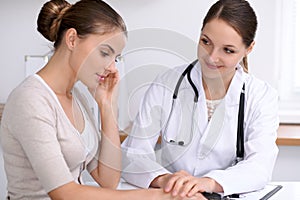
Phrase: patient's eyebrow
(107,45)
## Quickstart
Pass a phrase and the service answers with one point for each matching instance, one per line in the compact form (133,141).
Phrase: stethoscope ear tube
(187,70)
(193,86)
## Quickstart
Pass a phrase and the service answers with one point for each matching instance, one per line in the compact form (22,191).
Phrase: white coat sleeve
(140,165)
(260,130)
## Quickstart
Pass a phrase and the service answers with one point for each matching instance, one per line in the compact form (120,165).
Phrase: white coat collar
(234,91)
(232,96)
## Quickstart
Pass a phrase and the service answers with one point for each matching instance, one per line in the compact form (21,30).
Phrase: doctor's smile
(212,66)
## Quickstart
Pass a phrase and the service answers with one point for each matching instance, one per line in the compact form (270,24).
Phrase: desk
(289,191)
(288,135)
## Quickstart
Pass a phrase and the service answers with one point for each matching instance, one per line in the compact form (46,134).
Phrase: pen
(231,196)
(234,196)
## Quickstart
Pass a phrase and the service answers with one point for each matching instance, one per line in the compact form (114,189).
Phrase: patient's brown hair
(86,16)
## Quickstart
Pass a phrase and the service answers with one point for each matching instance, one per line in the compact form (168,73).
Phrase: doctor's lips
(212,66)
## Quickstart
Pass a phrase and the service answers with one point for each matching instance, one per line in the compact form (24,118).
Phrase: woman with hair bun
(48,133)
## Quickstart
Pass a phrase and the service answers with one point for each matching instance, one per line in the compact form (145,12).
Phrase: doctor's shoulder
(170,76)
(259,91)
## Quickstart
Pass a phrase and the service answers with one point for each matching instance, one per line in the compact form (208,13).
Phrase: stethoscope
(240,128)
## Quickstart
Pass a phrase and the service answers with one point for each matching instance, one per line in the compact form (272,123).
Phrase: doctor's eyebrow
(110,48)
(225,45)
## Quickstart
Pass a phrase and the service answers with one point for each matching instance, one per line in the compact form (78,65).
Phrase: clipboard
(264,194)
(272,192)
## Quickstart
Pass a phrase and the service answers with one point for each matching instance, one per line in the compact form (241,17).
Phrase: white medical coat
(142,162)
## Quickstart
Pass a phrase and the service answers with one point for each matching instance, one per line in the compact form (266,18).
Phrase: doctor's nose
(214,56)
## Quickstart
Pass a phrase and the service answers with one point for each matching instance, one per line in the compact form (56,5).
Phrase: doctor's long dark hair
(239,15)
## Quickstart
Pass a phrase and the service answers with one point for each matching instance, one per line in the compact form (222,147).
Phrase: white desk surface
(289,191)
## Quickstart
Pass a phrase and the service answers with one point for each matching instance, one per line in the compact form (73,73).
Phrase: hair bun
(50,16)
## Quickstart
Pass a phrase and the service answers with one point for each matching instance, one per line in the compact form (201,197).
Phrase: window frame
(289,93)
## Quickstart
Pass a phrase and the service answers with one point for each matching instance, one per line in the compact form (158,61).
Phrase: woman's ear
(71,38)
(249,49)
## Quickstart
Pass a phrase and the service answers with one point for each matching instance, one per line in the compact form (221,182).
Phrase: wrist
(215,186)
(158,182)
(107,106)
(106,103)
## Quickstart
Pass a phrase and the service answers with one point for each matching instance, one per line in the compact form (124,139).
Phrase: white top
(211,107)
(212,147)
(42,149)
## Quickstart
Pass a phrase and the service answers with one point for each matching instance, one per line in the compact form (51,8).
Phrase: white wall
(186,18)
(18,38)
(18,35)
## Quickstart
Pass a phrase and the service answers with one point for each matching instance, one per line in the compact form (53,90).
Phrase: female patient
(48,134)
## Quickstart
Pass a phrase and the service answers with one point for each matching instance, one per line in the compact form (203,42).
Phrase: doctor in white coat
(198,126)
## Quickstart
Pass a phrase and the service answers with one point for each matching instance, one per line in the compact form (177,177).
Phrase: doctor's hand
(183,184)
